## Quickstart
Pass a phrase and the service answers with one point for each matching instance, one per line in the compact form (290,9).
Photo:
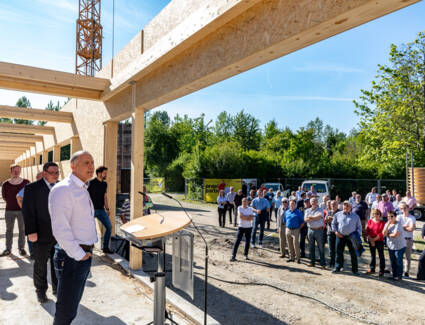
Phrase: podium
(149,233)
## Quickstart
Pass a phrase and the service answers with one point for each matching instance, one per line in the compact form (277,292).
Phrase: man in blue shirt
(269,197)
(344,224)
(261,209)
(294,220)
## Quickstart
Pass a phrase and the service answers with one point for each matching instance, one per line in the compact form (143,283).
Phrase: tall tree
(23,102)
(246,131)
(52,107)
(392,112)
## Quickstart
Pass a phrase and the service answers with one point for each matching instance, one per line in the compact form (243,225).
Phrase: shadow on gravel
(85,315)
(15,272)
(222,306)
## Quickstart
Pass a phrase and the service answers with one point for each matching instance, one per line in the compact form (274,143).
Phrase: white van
(321,187)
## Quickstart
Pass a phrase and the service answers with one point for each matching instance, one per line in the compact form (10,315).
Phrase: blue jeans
(29,246)
(259,220)
(104,219)
(396,258)
(72,276)
(316,236)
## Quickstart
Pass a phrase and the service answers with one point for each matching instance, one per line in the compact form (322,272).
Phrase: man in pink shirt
(385,206)
(410,201)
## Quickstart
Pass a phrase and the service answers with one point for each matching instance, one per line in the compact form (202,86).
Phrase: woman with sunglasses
(374,229)
(396,244)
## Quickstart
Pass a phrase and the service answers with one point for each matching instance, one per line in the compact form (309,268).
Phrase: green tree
(22,102)
(392,112)
(246,131)
(52,107)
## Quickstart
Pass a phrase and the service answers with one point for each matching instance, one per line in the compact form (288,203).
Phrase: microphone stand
(206,255)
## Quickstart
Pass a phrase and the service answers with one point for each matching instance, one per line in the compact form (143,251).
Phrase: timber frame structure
(173,56)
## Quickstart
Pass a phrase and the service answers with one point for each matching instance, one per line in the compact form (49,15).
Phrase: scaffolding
(88,57)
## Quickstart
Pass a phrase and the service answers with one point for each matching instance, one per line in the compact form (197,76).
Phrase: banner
(211,187)
(156,185)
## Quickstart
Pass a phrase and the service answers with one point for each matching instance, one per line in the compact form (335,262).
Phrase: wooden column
(57,153)
(75,144)
(110,161)
(137,152)
(45,156)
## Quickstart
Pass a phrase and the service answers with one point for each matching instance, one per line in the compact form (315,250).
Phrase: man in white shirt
(246,216)
(408,222)
(73,225)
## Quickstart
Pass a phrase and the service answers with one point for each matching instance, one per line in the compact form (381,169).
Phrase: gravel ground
(268,290)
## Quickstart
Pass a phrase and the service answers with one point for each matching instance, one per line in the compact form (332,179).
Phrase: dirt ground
(268,290)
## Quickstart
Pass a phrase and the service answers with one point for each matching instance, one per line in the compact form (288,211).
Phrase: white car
(321,187)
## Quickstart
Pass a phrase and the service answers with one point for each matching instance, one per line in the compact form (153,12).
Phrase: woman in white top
(246,215)
(221,201)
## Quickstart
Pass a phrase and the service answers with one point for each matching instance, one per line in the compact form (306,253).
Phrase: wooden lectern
(149,233)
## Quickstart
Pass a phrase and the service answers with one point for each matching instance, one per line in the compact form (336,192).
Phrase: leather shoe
(108,251)
(6,252)
(22,252)
(42,298)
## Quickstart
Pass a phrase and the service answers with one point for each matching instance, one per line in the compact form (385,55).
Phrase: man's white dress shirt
(72,215)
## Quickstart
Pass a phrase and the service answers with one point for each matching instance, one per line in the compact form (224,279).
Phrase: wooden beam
(137,156)
(26,78)
(17,144)
(17,148)
(24,128)
(110,161)
(35,114)
(20,137)
(266,31)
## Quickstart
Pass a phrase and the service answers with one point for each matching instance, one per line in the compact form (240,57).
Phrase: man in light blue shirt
(261,209)
(344,224)
(315,222)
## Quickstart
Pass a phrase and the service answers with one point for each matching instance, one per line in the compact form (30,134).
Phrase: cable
(340,311)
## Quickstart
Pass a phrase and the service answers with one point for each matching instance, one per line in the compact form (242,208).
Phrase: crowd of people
(383,221)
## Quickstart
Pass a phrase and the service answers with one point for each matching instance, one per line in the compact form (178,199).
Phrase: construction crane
(88,55)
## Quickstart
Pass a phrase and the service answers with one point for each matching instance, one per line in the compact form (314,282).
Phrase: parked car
(275,186)
(321,187)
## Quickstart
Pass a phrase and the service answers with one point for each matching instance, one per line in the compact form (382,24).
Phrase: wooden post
(110,161)
(75,144)
(57,153)
(137,152)
(45,156)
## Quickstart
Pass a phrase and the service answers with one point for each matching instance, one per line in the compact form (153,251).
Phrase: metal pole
(159,299)
(379,186)
(413,173)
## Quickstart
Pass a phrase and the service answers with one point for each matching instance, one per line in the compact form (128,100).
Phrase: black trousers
(421,266)
(242,232)
(230,207)
(221,217)
(303,236)
(42,253)
(340,246)
(379,245)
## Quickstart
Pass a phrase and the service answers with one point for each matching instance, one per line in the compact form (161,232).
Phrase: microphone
(206,253)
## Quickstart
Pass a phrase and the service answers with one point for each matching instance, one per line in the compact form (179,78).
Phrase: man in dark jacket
(38,227)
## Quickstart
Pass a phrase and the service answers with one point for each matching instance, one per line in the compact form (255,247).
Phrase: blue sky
(318,81)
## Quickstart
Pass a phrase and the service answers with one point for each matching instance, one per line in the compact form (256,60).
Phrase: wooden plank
(23,72)
(23,128)
(17,144)
(50,89)
(12,149)
(20,137)
(35,114)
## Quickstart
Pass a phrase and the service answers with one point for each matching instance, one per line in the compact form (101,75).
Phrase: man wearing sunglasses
(38,228)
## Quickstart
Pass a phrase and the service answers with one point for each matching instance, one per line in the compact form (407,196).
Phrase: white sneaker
(261,246)
(252,245)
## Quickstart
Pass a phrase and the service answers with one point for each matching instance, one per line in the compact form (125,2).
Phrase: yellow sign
(156,185)
(211,187)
